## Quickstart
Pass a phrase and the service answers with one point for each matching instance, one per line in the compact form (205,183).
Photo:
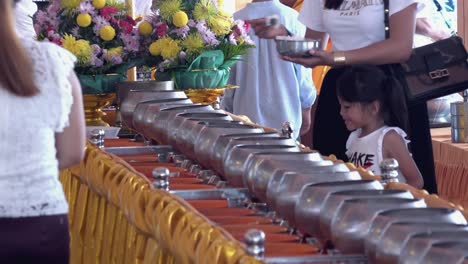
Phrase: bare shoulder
(393,143)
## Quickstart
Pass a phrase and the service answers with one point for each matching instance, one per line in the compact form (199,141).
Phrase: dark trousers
(43,239)
(330,133)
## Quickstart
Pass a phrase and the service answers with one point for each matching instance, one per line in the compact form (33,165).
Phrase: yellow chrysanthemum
(180,19)
(145,28)
(70,4)
(193,43)
(205,10)
(220,2)
(168,48)
(154,49)
(167,8)
(117,51)
(98,4)
(107,33)
(80,48)
(83,20)
(220,26)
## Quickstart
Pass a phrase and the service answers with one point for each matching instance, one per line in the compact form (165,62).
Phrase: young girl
(372,106)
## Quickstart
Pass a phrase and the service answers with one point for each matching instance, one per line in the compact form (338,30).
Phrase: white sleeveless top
(29,184)
(366,151)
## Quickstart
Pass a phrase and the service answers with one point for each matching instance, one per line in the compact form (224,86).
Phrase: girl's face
(355,115)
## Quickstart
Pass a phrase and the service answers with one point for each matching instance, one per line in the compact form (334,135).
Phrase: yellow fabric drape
(117,217)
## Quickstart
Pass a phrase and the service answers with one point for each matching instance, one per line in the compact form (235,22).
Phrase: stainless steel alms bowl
(292,184)
(394,238)
(313,196)
(301,171)
(144,111)
(352,221)
(124,87)
(216,160)
(238,158)
(335,200)
(419,244)
(158,128)
(189,131)
(260,168)
(447,252)
(296,47)
(127,106)
(385,219)
(174,124)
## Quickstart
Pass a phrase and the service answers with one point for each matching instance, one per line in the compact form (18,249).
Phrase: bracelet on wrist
(339,58)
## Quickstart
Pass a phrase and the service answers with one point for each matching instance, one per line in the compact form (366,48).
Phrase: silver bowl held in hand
(293,46)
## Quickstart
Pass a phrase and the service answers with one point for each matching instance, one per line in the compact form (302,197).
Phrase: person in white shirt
(372,109)
(24,11)
(142,7)
(42,131)
(357,30)
(271,90)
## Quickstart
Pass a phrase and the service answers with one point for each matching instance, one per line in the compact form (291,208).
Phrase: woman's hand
(262,30)
(317,58)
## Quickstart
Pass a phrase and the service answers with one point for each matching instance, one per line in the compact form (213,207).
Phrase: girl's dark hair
(333,4)
(368,83)
(16,68)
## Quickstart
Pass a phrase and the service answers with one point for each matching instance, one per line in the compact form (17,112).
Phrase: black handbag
(434,70)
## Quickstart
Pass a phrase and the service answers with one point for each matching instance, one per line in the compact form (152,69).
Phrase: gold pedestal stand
(207,96)
(93,105)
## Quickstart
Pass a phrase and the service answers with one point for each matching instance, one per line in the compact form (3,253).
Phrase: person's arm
(426,28)
(395,49)
(307,95)
(394,147)
(70,143)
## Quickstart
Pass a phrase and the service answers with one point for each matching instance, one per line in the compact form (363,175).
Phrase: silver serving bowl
(391,244)
(216,159)
(419,244)
(236,162)
(152,112)
(335,200)
(175,124)
(189,131)
(278,140)
(385,219)
(301,170)
(292,184)
(260,168)
(144,111)
(124,87)
(313,196)
(208,135)
(447,252)
(351,223)
(294,47)
(158,128)
(136,96)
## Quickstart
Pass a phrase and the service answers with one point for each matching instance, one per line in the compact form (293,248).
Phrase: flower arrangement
(98,32)
(193,40)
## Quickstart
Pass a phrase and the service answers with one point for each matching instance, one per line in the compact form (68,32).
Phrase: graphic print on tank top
(364,160)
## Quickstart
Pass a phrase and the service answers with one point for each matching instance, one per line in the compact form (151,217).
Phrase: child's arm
(395,147)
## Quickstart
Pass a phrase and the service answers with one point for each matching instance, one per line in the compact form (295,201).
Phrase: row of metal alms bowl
(264,166)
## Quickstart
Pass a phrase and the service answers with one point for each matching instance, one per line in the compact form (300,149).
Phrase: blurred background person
(24,11)
(271,90)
